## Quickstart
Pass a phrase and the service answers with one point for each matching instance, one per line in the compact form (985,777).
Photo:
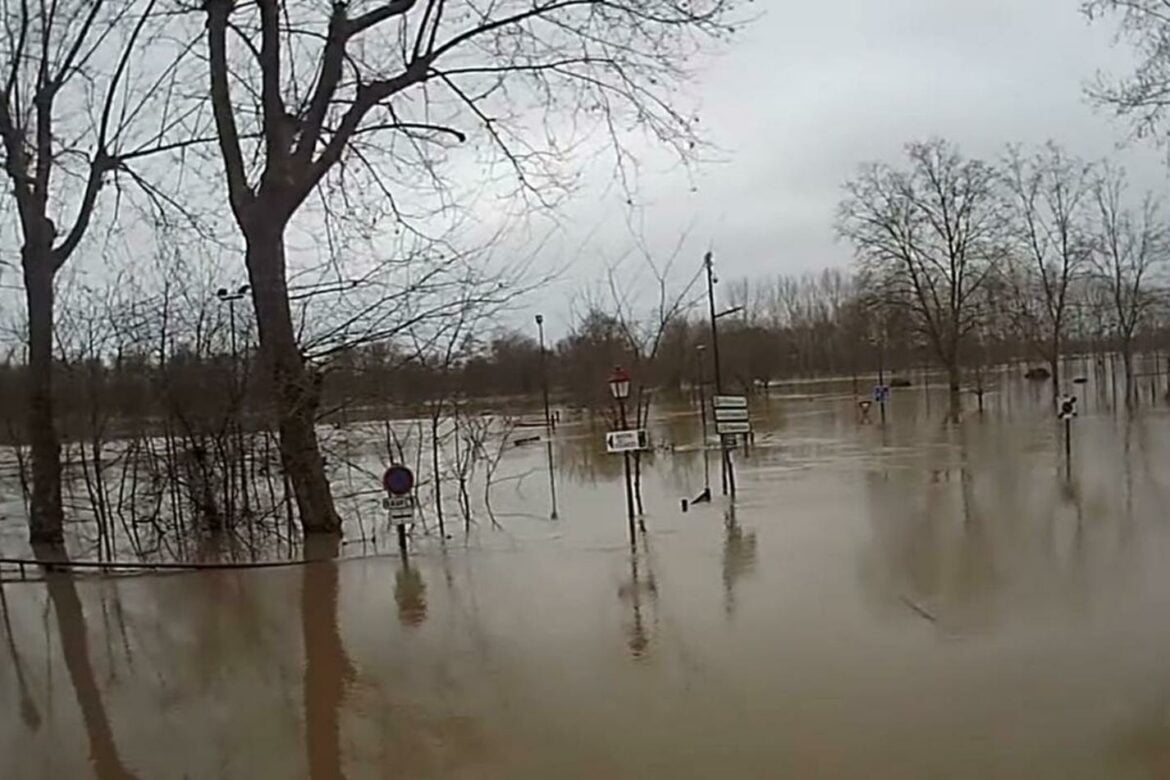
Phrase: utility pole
(238,393)
(548,427)
(703,416)
(725,457)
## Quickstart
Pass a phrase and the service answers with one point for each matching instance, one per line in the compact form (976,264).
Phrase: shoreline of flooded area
(915,601)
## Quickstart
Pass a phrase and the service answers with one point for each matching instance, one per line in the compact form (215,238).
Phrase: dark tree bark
(45,512)
(50,70)
(295,386)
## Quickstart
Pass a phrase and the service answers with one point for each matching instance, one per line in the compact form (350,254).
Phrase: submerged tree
(927,238)
(84,94)
(1129,245)
(372,93)
(1048,198)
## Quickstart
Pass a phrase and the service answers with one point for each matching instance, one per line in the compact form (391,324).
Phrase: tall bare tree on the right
(1128,247)
(928,238)
(1049,195)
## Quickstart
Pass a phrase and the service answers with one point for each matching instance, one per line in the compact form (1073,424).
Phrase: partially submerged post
(398,482)
(548,424)
(1066,411)
(626,440)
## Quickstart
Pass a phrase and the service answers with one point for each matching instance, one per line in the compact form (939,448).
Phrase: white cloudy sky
(811,90)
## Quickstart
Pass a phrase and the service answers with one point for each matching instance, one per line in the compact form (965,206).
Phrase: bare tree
(1129,245)
(305,91)
(1048,195)
(1141,96)
(928,237)
(644,334)
(83,97)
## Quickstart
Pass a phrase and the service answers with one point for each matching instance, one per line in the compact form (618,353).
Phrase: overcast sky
(811,90)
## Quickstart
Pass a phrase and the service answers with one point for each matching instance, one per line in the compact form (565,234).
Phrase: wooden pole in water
(1068,447)
(725,456)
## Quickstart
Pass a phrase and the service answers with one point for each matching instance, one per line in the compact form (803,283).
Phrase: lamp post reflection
(739,557)
(638,635)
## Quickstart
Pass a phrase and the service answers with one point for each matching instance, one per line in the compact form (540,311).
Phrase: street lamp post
(619,387)
(230,298)
(725,457)
(701,348)
(882,371)
(548,427)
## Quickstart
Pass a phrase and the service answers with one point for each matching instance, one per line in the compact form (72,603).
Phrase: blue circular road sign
(398,480)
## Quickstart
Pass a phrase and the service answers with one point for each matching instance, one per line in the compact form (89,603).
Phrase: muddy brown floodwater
(914,601)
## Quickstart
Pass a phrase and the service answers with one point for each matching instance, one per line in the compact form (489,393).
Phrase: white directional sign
(731,415)
(729,402)
(727,428)
(401,508)
(627,441)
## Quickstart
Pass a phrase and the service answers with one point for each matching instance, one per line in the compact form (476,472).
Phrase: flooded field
(919,600)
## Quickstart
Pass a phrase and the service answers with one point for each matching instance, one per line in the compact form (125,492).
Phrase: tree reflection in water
(71,626)
(328,671)
(29,714)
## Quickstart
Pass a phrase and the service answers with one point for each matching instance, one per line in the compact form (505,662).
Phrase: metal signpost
(1066,411)
(398,482)
(625,440)
(731,420)
(881,395)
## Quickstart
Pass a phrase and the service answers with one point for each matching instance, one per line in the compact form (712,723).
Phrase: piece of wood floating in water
(919,609)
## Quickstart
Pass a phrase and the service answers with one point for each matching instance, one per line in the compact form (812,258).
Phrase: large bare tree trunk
(295,387)
(46,515)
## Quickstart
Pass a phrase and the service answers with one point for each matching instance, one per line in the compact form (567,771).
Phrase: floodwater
(918,600)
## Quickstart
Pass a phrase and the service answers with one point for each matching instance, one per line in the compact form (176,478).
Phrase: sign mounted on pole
(732,428)
(627,441)
(731,415)
(398,482)
(881,393)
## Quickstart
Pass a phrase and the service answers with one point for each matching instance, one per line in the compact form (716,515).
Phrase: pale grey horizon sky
(810,91)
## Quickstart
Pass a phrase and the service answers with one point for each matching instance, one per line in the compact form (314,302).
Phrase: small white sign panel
(626,441)
(731,415)
(729,402)
(401,508)
(724,428)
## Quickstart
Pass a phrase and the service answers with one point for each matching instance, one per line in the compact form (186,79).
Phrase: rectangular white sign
(401,507)
(731,415)
(725,428)
(729,402)
(626,441)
